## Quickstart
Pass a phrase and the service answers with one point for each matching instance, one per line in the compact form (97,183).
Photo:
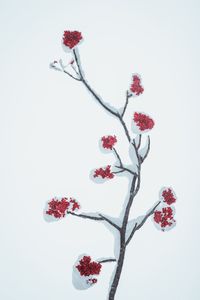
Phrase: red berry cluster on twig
(86,267)
(143,121)
(71,38)
(58,208)
(109,141)
(136,87)
(104,173)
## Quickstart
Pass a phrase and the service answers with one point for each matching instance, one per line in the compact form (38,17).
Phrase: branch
(126,103)
(118,157)
(139,142)
(110,222)
(86,216)
(124,169)
(132,233)
(148,149)
(62,69)
(147,216)
(107,260)
(78,63)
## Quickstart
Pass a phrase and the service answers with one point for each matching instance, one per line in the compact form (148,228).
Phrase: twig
(107,260)
(77,59)
(86,216)
(148,149)
(118,157)
(110,222)
(126,103)
(139,142)
(131,235)
(147,216)
(125,169)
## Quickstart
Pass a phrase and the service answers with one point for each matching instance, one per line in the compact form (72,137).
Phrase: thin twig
(148,149)
(125,169)
(147,216)
(89,87)
(118,157)
(110,222)
(126,103)
(78,79)
(107,260)
(139,142)
(131,235)
(86,216)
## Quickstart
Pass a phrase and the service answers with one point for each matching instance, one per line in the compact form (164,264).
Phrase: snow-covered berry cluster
(164,216)
(142,122)
(88,268)
(71,39)
(136,88)
(104,173)
(59,207)
(108,141)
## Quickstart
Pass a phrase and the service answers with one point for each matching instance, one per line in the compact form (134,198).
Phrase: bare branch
(70,75)
(125,169)
(126,103)
(132,233)
(84,216)
(107,260)
(147,216)
(118,157)
(77,59)
(148,149)
(110,222)
(139,143)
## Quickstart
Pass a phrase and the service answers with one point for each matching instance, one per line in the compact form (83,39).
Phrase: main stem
(120,261)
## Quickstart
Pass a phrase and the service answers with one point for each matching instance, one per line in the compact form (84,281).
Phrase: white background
(50,128)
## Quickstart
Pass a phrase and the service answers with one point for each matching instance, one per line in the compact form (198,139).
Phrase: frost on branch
(142,123)
(57,208)
(85,272)
(136,88)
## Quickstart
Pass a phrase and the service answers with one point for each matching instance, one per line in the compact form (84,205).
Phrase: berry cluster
(136,88)
(168,196)
(164,217)
(71,38)
(87,267)
(59,207)
(142,121)
(109,141)
(103,173)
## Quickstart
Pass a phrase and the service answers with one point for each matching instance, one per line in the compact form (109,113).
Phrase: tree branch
(126,103)
(131,235)
(110,222)
(78,63)
(107,260)
(148,149)
(147,216)
(118,157)
(86,216)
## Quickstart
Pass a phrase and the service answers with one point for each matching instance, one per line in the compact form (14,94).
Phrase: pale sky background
(50,128)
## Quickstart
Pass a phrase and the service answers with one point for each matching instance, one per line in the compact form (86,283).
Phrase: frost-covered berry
(164,218)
